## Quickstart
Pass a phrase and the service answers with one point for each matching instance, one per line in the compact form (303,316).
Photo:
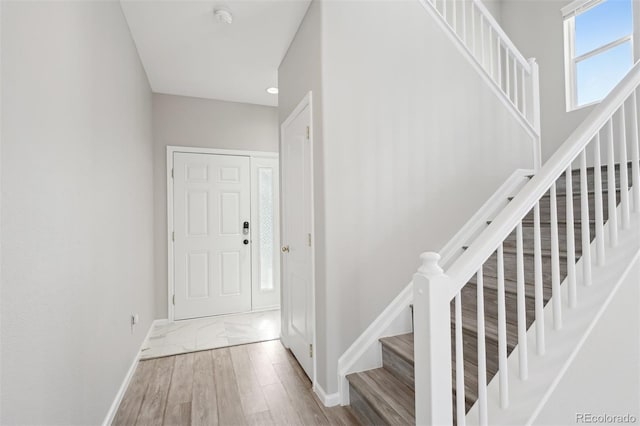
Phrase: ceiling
(186,51)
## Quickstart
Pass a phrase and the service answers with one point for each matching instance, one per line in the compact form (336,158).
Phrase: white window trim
(569,14)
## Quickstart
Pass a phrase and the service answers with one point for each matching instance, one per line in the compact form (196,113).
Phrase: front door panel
(212,262)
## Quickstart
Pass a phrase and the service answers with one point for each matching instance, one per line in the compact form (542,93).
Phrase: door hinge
(308,133)
(309,239)
(171,173)
(173,236)
(311,350)
(173,300)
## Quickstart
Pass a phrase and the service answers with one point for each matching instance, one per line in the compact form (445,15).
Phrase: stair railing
(609,133)
(514,79)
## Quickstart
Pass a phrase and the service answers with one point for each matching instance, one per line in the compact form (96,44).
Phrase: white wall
(413,142)
(495,8)
(522,20)
(203,123)
(605,376)
(77,210)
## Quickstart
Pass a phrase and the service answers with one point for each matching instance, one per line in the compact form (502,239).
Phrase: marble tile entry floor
(200,334)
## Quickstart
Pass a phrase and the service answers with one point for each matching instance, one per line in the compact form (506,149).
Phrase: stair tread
(527,251)
(401,345)
(577,193)
(391,399)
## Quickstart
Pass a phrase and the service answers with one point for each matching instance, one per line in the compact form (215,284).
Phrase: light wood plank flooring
(255,384)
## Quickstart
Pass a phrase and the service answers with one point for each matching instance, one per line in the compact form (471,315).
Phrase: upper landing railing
(514,79)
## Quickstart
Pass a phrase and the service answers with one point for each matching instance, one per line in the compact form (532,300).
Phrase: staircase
(387,395)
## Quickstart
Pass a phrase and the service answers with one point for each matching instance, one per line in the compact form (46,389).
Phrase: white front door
(296,237)
(212,251)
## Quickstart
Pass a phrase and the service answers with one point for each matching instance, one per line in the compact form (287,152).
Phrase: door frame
(307,100)
(171,149)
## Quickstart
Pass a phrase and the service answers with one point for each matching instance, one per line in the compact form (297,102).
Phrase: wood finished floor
(255,384)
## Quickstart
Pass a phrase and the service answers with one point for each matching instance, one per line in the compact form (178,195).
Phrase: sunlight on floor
(212,332)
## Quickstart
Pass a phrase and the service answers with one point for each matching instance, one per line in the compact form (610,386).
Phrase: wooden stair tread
(529,251)
(510,286)
(391,399)
(401,345)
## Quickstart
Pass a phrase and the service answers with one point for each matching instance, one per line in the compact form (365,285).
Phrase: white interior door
(296,237)
(212,255)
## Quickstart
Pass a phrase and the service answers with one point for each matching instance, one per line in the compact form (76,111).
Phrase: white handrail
(434,289)
(506,41)
(461,271)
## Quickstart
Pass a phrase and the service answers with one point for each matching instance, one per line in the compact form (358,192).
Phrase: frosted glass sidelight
(265,227)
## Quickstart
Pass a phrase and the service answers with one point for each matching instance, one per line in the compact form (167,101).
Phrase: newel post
(432,343)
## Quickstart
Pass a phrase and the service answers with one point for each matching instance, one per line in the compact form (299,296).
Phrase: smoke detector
(223,16)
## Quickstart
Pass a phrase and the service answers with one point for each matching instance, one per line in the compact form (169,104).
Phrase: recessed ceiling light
(223,16)
(272,90)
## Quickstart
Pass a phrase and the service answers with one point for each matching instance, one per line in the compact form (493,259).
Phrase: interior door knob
(285,249)
(246,242)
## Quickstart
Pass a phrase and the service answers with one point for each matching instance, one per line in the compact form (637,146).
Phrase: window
(598,37)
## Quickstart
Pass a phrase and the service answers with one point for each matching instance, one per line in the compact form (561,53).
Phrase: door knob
(285,249)
(245,242)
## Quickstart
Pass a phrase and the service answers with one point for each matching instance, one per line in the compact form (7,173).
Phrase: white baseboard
(329,400)
(127,378)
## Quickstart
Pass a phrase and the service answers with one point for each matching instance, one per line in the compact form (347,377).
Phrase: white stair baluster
(538,283)
(454,16)
(571,241)
(599,212)
(507,72)
(491,64)
(502,333)
(556,296)
(482,42)
(473,29)
(611,187)
(482,354)
(524,93)
(522,308)
(624,175)
(464,21)
(635,153)
(499,61)
(515,83)
(584,218)
(460,393)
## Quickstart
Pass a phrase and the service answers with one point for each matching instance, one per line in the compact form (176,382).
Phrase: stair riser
(545,238)
(491,283)
(362,409)
(561,182)
(490,267)
(398,366)
(545,209)
(469,313)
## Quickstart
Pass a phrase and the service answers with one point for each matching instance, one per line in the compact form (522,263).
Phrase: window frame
(571,61)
